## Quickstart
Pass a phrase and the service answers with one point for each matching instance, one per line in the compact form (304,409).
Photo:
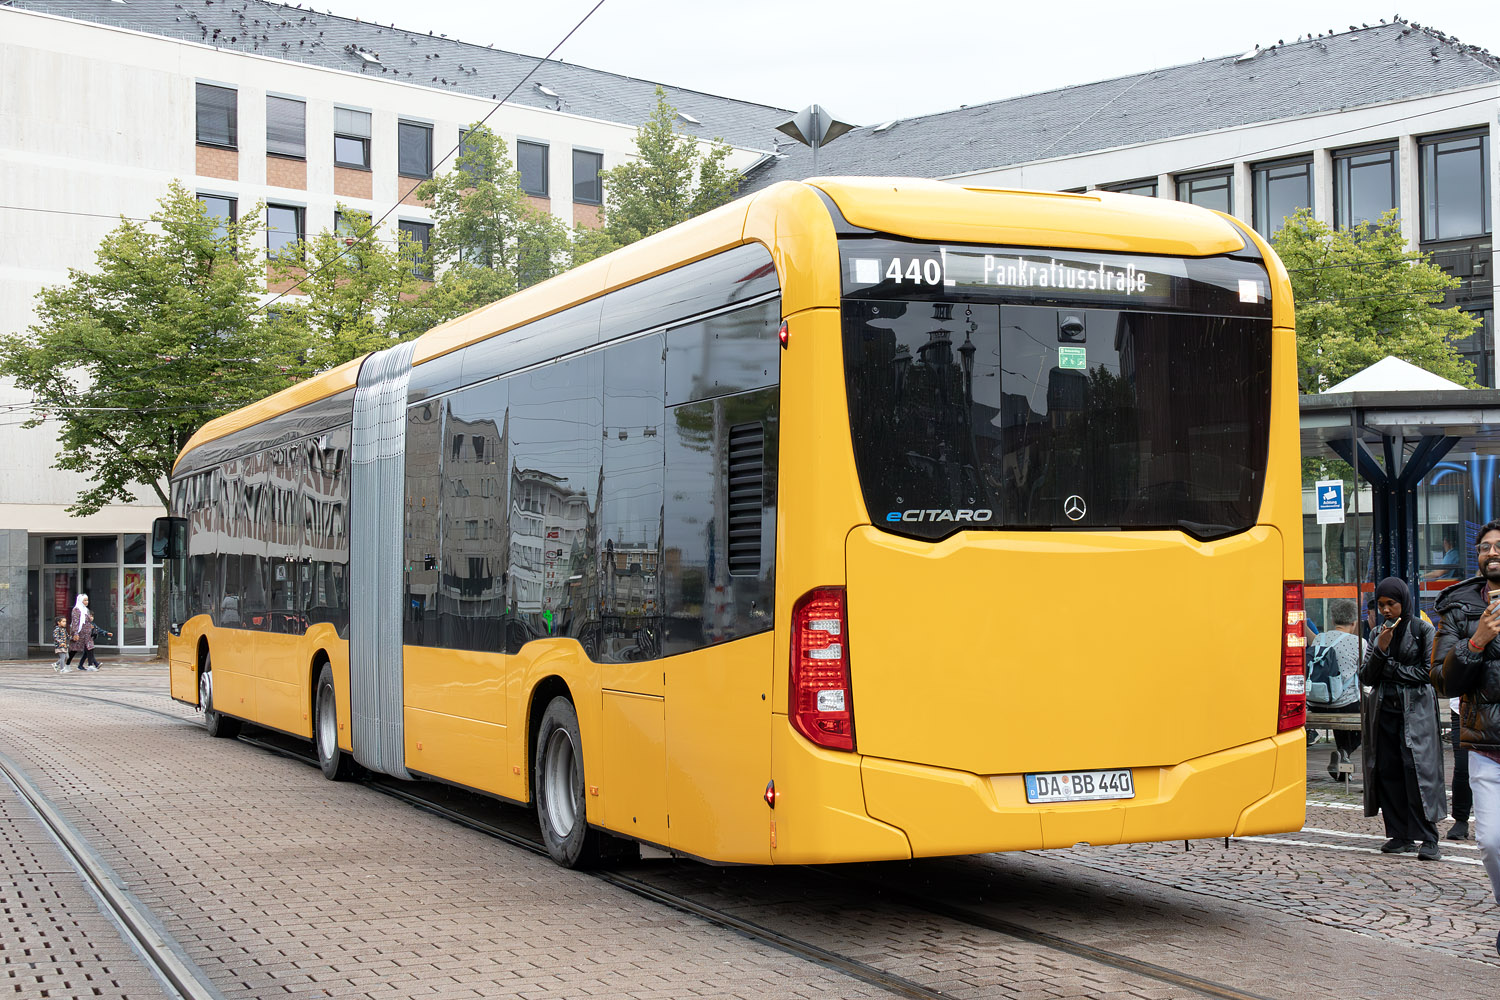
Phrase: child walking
(60,646)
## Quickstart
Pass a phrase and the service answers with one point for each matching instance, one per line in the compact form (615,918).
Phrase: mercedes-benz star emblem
(1075,508)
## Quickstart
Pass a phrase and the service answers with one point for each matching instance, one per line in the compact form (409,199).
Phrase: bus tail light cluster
(1293,713)
(822,705)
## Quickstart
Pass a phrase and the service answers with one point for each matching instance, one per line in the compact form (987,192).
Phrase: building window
(414,149)
(587,188)
(1364,185)
(351,138)
(286,127)
(531,162)
(418,235)
(223,211)
(1277,191)
(1479,346)
(1455,178)
(284,231)
(218,116)
(1213,189)
(1146,187)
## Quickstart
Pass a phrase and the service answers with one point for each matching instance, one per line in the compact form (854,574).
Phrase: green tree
(129,359)
(488,240)
(1362,294)
(360,291)
(671,180)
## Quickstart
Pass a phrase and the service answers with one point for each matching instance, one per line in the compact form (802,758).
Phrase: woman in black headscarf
(1403,761)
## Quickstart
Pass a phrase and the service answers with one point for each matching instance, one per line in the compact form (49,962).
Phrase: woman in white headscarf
(81,634)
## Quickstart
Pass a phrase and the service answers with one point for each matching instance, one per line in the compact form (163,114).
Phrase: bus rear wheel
(335,763)
(217,723)
(558,780)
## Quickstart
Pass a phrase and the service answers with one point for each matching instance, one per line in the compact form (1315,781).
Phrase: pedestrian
(1460,607)
(60,645)
(1471,672)
(81,634)
(1338,690)
(1403,757)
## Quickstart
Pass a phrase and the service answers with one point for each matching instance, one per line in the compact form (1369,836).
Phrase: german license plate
(1075,786)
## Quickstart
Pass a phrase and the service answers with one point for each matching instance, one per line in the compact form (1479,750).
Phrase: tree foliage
(671,180)
(488,239)
(357,292)
(129,359)
(1361,295)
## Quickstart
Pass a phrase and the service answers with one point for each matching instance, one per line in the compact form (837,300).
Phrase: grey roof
(303,35)
(1328,73)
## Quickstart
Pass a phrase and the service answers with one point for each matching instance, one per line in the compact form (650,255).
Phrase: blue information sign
(1330,493)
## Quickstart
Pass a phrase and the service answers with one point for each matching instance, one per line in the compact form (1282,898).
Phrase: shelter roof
(1393,374)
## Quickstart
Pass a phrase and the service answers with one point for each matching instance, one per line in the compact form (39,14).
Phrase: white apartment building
(103,104)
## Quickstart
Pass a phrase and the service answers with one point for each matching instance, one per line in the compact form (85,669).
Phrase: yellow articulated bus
(858,519)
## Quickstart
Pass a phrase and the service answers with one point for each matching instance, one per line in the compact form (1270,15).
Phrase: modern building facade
(249,103)
(1349,124)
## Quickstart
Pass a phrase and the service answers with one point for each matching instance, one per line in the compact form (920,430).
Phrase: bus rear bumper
(1256,788)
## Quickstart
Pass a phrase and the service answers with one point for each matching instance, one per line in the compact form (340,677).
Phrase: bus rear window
(972,415)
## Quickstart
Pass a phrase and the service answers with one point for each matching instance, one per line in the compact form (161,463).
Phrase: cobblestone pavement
(278,883)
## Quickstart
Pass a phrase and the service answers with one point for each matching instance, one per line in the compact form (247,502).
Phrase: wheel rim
(327,725)
(206,690)
(561,784)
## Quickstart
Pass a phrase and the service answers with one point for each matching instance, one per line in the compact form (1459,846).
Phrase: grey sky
(870,61)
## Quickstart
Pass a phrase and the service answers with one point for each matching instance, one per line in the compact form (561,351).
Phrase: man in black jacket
(1470,669)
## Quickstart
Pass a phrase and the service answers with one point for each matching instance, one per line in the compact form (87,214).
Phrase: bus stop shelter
(1410,465)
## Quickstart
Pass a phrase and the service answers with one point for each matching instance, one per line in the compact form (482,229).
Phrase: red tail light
(822,704)
(1293,714)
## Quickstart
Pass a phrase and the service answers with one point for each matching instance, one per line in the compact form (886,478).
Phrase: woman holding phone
(1403,760)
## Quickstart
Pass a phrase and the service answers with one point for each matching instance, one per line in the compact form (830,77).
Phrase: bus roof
(916,208)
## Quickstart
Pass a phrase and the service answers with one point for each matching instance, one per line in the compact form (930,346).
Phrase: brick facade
(408,188)
(215,162)
(543,205)
(284,172)
(352,183)
(586,215)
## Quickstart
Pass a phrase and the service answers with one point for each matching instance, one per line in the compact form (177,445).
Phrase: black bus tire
(217,723)
(558,780)
(335,763)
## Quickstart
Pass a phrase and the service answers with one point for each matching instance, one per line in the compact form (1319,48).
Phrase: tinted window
(974,415)
(283,230)
(531,163)
(222,210)
(556,430)
(737,275)
(418,236)
(1279,190)
(414,149)
(351,138)
(630,501)
(1455,187)
(705,602)
(1364,186)
(470,573)
(1144,188)
(726,353)
(586,185)
(1215,190)
(218,116)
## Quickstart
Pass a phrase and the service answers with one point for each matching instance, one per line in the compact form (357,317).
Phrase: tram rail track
(789,944)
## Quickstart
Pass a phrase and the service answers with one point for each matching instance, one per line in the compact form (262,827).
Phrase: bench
(1350,722)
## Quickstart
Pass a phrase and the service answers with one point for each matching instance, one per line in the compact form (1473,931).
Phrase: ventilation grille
(747,477)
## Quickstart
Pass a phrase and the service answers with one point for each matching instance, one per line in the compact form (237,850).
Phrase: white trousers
(1484,779)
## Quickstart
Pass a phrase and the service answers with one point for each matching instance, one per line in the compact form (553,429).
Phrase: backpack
(1325,682)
